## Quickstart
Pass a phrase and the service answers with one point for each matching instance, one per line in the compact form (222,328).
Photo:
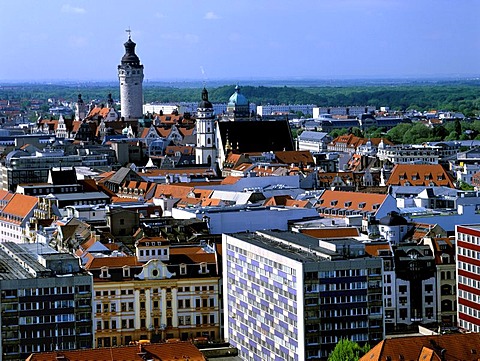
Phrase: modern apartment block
(468,276)
(289,296)
(46,301)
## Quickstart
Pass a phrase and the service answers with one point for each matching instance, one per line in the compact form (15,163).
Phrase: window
(104,272)
(126,271)
(183,269)
(203,268)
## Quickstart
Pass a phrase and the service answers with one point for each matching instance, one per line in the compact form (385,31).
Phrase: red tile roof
(230,180)
(334,232)
(98,111)
(420,175)
(362,202)
(112,262)
(143,241)
(19,207)
(295,156)
(464,347)
(374,248)
(286,200)
(170,351)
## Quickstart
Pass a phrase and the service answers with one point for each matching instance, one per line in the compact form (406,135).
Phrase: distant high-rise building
(205,151)
(130,75)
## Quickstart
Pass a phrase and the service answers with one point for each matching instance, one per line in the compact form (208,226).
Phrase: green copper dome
(237,98)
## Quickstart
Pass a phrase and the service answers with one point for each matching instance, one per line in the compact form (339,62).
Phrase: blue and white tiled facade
(284,303)
(261,302)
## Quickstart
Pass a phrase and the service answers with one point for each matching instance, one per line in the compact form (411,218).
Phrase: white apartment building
(408,154)
(263,110)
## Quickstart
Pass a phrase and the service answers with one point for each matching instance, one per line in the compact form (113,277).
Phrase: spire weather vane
(129,32)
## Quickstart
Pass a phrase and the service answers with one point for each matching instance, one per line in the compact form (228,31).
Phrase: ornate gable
(154,270)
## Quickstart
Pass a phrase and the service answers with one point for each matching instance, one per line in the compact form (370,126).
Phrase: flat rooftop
(10,269)
(288,244)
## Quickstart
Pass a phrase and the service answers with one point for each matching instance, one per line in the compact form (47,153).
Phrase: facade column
(163,302)
(148,308)
(174,307)
(136,307)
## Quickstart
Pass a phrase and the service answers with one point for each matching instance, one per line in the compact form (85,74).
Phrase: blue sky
(243,39)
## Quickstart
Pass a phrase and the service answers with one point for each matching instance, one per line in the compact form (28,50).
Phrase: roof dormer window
(104,272)
(183,269)
(126,271)
(203,268)
(362,205)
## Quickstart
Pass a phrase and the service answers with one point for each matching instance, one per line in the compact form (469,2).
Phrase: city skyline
(83,40)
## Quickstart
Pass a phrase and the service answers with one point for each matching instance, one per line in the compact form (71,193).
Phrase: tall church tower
(80,109)
(205,151)
(130,74)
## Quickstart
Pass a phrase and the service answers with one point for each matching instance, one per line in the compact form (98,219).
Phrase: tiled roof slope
(169,351)
(465,347)
(420,175)
(295,156)
(334,232)
(365,202)
(19,207)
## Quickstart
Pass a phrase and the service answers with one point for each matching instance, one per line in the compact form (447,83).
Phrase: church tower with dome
(238,107)
(205,150)
(130,75)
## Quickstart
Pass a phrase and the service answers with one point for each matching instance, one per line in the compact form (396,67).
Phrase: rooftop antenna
(129,33)
(204,76)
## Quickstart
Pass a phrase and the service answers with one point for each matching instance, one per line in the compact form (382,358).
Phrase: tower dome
(238,107)
(237,98)
(205,103)
(130,57)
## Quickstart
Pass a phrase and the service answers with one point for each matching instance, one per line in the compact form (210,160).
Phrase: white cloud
(159,15)
(211,16)
(67,8)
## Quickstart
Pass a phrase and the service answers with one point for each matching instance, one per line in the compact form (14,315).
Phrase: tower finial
(129,33)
